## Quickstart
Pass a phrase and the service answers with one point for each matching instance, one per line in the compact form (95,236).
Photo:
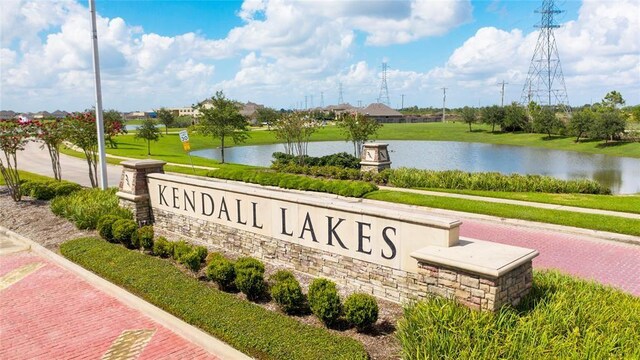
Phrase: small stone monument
(133,192)
(374,157)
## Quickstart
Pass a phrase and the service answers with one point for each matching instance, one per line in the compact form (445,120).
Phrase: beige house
(381,112)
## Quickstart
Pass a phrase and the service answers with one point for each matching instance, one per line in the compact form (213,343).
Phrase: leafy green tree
(515,118)
(295,130)
(222,120)
(52,134)
(148,131)
(469,115)
(635,113)
(613,99)
(582,122)
(492,115)
(358,129)
(268,116)
(82,133)
(113,125)
(166,118)
(609,125)
(546,121)
(13,137)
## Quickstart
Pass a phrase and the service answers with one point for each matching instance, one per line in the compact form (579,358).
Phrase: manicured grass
(562,318)
(559,217)
(25,175)
(249,328)
(623,203)
(169,147)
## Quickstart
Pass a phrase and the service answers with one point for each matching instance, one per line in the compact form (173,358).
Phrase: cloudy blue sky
(274,52)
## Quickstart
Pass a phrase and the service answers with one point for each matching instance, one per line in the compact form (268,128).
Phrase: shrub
(221,271)
(202,252)
(180,249)
(163,247)
(48,189)
(87,206)
(288,295)
(361,310)
(325,301)
(145,237)
(249,263)
(282,275)
(123,230)
(298,182)
(250,281)
(105,226)
(192,260)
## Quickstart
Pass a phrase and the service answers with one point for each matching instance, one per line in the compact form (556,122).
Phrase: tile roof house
(382,113)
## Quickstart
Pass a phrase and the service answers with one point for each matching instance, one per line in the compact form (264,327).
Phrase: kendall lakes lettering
(332,230)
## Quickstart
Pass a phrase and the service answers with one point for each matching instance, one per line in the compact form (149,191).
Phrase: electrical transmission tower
(340,98)
(545,82)
(502,92)
(321,99)
(383,98)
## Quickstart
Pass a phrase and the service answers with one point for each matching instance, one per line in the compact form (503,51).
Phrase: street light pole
(99,119)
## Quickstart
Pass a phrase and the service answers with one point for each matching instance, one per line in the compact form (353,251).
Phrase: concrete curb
(174,324)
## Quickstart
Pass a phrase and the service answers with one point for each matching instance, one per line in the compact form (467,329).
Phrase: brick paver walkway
(48,312)
(608,262)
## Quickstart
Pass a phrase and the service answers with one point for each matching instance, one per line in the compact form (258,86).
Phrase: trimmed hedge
(105,227)
(250,277)
(124,231)
(221,270)
(87,206)
(287,293)
(249,328)
(145,237)
(48,189)
(342,160)
(289,181)
(163,247)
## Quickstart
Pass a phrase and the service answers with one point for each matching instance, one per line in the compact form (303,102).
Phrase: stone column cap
(142,164)
(374,144)
(477,256)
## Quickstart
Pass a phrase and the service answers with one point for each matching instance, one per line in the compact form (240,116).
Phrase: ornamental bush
(87,206)
(250,281)
(145,237)
(192,260)
(249,263)
(221,271)
(123,230)
(180,249)
(48,189)
(202,252)
(105,227)
(163,247)
(287,293)
(281,275)
(361,310)
(325,301)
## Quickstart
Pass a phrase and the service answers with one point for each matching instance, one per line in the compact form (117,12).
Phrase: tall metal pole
(402,106)
(99,119)
(444,101)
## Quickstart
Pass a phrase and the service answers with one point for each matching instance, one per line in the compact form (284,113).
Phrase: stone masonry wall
(473,290)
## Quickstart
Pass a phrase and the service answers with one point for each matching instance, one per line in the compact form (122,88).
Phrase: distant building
(250,111)
(381,113)
(58,114)
(7,115)
(41,115)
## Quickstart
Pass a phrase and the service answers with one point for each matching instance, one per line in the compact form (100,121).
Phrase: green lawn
(586,221)
(169,147)
(25,175)
(623,203)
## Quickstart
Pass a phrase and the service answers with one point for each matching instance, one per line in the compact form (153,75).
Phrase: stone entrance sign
(392,251)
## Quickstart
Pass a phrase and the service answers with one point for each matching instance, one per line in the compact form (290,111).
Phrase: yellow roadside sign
(186,146)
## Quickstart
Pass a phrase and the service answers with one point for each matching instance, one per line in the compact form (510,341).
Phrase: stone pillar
(374,157)
(133,191)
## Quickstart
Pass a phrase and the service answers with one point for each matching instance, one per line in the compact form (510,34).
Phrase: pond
(621,174)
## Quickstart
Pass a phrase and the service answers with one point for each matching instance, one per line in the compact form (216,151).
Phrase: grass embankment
(559,217)
(247,327)
(623,203)
(562,318)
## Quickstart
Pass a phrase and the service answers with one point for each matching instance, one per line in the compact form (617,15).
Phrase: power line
(383,98)
(545,82)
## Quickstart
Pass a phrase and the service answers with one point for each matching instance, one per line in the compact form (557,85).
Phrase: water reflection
(621,174)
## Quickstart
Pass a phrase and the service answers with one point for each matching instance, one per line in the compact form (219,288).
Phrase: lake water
(621,174)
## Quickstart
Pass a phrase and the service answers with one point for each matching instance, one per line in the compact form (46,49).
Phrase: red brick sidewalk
(607,262)
(53,314)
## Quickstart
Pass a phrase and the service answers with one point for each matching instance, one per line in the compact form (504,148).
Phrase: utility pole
(359,103)
(305,102)
(312,102)
(444,102)
(502,92)
(340,99)
(99,120)
(402,107)
(321,99)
